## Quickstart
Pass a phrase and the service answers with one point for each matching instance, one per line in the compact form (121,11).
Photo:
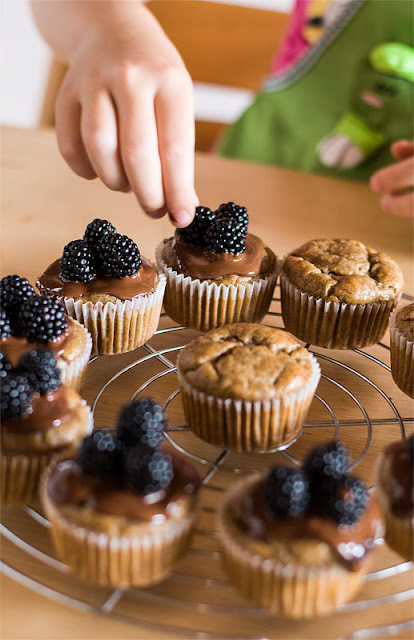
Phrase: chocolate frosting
(195,262)
(68,485)
(400,481)
(349,544)
(47,411)
(14,347)
(142,282)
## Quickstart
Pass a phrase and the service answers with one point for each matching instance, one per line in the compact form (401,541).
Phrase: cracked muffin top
(245,361)
(343,271)
(404,321)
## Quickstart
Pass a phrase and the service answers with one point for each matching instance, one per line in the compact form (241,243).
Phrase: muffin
(216,272)
(296,540)
(107,286)
(40,418)
(29,321)
(122,511)
(402,348)
(339,294)
(395,495)
(246,387)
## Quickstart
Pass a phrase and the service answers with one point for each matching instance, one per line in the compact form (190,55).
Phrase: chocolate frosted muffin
(28,321)
(395,494)
(296,541)
(122,511)
(107,285)
(402,348)
(339,293)
(216,272)
(40,418)
(246,387)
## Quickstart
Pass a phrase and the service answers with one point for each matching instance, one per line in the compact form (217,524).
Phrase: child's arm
(392,181)
(125,110)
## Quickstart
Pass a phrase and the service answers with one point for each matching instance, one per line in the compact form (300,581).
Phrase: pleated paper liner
(402,358)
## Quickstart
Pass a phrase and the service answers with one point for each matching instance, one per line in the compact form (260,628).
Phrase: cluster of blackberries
(101,252)
(133,451)
(322,487)
(220,231)
(39,319)
(36,373)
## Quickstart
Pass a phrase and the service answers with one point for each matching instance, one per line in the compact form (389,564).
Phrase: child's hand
(395,179)
(125,112)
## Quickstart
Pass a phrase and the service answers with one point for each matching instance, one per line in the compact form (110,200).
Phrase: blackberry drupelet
(234,212)
(14,290)
(287,492)
(5,325)
(327,461)
(42,319)
(5,365)
(194,234)
(344,500)
(118,256)
(96,230)
(77,262)
(142,422)
(16,396)
(41,369)
(226,236)
(147,470)
(101,454)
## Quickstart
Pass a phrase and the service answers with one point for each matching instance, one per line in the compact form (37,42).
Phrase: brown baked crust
(404,321)
(77,345)
(245,361)
(267,267)
(343,270)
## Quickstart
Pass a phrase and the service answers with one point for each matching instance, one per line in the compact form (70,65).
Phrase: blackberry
(410,446)
(235,212)
(287,492)
(42,319)
(142,422)
(5,325)
(77,262)
(16,396)
(41,369)
(14,290)
(226,236)
(327,461)
(101,454)
(96,230)
(344,500)
(148,470)
(5,365)
(118,256)
(195,232)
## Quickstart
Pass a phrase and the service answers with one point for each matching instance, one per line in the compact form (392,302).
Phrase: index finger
(396,177)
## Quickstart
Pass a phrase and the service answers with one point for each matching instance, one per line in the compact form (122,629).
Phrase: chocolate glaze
(195,262)
(349,544)
(144,281)
(399,485)
(109,495)
(14,347)
(48,411)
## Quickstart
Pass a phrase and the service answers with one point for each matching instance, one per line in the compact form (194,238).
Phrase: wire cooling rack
(197,600)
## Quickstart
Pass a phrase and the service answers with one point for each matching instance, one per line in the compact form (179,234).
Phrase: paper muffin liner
(290,590)
(333,325)
(122,326)
(242,425)
(72,373)
(21,473)
(145,555)
(201,305)
(402,358)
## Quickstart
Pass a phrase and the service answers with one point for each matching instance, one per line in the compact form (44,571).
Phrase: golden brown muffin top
(404,321)
(245,361)
(343,270)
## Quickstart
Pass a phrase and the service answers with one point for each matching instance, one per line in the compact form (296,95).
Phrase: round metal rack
(196,600)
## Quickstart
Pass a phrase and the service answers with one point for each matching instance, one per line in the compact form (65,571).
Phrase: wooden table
(44,206)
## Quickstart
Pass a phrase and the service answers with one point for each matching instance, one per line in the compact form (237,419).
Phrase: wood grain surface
(44,206)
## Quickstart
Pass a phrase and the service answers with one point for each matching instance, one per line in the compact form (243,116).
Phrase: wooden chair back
(220,44)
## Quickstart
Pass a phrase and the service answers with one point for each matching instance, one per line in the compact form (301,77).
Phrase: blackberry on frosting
(42,319)
(287,492)
(14,290)
(148,470)
(96,230)
(194,234)
(118,256)
(5,325)
(101,454)
(16,396)
(77,262)
(142,422)
(41,369)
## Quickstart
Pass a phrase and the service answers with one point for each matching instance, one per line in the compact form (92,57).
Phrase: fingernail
(182,219)
(375,183)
